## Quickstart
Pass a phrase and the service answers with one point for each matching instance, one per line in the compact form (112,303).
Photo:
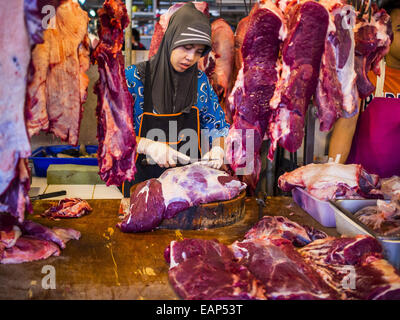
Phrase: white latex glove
(162,154)
(216,155)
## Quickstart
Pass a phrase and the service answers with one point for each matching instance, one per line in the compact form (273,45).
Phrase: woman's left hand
(214,158)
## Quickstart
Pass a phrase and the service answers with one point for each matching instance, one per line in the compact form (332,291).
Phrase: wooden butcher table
(108,264)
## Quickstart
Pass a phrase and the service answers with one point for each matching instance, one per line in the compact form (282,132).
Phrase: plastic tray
(318,209)
(41,163)
(346,224)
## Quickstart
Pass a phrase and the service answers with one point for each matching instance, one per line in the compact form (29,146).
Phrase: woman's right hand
(161,153)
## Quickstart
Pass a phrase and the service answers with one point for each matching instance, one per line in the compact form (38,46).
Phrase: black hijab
(173,91)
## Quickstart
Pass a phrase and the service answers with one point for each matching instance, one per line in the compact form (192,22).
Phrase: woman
(174,99)
(374,140)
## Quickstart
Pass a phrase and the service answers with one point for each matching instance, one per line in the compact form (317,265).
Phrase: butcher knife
(49,195)
(144,161)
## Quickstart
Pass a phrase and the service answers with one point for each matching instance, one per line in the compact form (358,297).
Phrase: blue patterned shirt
(212,116)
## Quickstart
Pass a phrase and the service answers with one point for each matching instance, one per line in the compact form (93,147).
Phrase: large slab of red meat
(162,24)
(336,93)
(115,131)
(254,87)
(57,87)
(373,39)
(218,63)
(207,270)
(302,50)
(282,270)
(174,191)
(15,147)
(360,257)
(329,181)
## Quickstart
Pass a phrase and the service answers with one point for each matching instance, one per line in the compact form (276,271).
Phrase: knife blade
(144,161)
(49,195)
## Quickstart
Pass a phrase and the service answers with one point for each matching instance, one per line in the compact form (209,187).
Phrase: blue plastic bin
(41,163)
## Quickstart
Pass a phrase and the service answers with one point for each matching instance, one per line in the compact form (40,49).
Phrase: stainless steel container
(347,224)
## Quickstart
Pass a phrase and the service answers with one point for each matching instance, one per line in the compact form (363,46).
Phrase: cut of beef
(29,249)
(206,270)
(115,131)
(332,180)
(302,50)
(254,87)
(218,63)
(336,93)
(68,208)
(270,227)
(9,231)
(57,87)
(174,191)
(162,25)
(373,41)
(354,267)
(282,270)
(59,236)
(15,41)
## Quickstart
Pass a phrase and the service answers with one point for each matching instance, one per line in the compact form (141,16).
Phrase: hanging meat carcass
(57,88)
(336,93)
(15,56)
(254,87)
(302,50)
(162,25)
(115,131)
(373,39)
(218,63)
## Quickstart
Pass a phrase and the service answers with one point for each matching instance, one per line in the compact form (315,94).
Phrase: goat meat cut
(174,191)
(301,58)
(206,270)
(332,180)
(115,131)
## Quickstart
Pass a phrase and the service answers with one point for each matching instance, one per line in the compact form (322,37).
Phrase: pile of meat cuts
(29,241)
(332,180)
(288,53)
(115,131)
(281,260)
(174,191)
(68,208)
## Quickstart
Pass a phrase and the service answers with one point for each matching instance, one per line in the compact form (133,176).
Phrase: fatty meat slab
(331,180)
(174,191)
(57,88)
(115,131)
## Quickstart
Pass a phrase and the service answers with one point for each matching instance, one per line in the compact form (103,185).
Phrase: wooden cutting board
(206,216)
